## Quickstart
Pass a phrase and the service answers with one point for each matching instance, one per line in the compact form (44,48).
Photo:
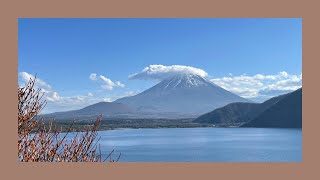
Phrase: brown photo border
(10,12)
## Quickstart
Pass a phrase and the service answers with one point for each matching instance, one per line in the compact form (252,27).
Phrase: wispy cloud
(260,85)
(93,76)
(50,94)
(107,83)
(160,72)
(130,93)
(65,103)
(25,77)
(56,102)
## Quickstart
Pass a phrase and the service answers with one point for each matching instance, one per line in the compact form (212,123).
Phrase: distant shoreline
(118,124)
(140,124)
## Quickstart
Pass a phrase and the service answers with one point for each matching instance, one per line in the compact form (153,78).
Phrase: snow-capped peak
(183,80)
(182,93)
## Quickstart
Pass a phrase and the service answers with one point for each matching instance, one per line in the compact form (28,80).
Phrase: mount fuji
(182,94)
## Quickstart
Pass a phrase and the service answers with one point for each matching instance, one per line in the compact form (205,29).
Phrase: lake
(204,144)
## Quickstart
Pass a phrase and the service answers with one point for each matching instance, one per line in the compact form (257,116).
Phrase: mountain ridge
(287,113)
(182,95)
(179,94)
(237,112)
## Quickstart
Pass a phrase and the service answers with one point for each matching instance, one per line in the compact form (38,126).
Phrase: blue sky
(233,52)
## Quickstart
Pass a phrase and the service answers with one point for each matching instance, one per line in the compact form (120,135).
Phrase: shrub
(38,142)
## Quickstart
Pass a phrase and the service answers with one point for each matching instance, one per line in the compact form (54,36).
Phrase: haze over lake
(204,144)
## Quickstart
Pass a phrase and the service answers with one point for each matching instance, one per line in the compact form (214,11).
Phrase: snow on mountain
(179,96)
(183,93)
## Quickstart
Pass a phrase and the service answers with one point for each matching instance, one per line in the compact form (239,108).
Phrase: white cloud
(44,87)
(130,93)
(56,102)
(66,103)
(107,99)
(107,83)
(39,83)
(53,96)
(255,86)
(292,83)
(93,76)
(260,85)
(160,72)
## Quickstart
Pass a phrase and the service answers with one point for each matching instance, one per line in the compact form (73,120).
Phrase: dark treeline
(109,124)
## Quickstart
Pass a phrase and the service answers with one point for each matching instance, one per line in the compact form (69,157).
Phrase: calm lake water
(204,144)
